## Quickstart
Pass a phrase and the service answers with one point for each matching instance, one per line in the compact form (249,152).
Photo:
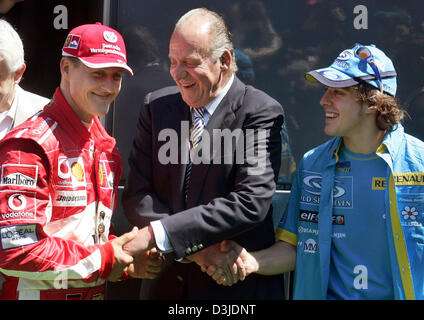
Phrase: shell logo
(77,171)
(101,175)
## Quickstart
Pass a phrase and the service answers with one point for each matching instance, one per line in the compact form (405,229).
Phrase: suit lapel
(221,119)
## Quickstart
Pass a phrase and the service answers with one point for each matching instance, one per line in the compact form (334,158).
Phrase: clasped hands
(135,255)
(225,262)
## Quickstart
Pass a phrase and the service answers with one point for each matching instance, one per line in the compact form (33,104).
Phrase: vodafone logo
(17,202)
(64,171)
(71,171)
(110,36)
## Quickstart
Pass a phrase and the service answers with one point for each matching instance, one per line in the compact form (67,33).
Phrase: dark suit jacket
(226,199)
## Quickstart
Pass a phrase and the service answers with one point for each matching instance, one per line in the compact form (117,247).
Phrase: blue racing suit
(308,220)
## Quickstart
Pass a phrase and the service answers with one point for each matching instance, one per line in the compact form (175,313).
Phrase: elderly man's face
(197,76)
(7,87)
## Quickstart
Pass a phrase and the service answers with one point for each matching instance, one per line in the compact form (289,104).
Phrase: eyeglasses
(365,54)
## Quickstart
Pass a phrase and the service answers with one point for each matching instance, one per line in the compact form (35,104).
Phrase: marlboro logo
(19,175)
(72,41)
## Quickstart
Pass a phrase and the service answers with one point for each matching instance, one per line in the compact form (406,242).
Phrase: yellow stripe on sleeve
(286,236)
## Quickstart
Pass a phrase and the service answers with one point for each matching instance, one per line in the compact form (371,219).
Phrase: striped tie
(195,138)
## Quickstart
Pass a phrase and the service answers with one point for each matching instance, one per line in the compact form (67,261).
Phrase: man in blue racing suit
(353,227)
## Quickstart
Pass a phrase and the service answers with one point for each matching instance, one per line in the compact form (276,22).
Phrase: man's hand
(146,265)
(122,259)
(224,261)
(220,275)
(143,241)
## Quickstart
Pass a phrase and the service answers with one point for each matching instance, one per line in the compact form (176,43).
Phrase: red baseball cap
(97,46)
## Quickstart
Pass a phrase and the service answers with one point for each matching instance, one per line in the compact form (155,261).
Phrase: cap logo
(72,41)
(345,55)
(330,75)
(110,36)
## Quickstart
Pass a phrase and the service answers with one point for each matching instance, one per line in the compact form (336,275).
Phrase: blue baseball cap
(359,64)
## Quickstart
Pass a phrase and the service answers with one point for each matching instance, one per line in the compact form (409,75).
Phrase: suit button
(188,251)
(194,249)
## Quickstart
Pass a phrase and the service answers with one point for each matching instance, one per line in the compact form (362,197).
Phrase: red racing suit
(58,190)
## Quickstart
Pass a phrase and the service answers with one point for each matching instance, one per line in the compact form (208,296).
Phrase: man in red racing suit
(59,176)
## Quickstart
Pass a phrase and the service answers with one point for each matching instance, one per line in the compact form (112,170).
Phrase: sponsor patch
(378,183)
(411,209)
(105,175)
(308,216)
(19,175)
(409,179)
(18,236)
(64,198)
(342,64)
(72,41)
(330,75)
(71,172)
(110,36)
(342,190)
(343,166)
(345,55)
(17,205)
(312,216)
(310,246)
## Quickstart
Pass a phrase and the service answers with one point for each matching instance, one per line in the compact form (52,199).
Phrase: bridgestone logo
(71,198)
(18,180)
(76,198)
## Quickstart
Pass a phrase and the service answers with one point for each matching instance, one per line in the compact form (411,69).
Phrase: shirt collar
(391,142)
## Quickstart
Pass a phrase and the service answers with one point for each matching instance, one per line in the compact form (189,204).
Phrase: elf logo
(312,216)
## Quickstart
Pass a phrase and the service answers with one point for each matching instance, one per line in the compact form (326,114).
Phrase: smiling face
(344,115)
(89,91)
(198,76)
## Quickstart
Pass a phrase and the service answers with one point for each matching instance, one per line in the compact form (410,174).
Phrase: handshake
(225,262)
(134,254)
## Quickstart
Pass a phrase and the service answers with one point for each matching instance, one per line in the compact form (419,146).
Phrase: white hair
(220,35)
(11,47)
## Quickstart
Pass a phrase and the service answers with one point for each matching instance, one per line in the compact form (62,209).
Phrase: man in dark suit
(203,168)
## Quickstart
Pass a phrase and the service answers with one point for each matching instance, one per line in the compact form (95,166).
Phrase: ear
(19,73)
(65,66)
(225,60)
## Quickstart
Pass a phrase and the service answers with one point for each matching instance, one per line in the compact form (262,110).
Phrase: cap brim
(331,77)
(101,62)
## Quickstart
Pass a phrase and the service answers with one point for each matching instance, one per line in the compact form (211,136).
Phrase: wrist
(253,265)
(108,259)
(151,240)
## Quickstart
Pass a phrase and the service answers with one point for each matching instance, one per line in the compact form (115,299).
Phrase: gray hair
(11,47)
(220,35)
